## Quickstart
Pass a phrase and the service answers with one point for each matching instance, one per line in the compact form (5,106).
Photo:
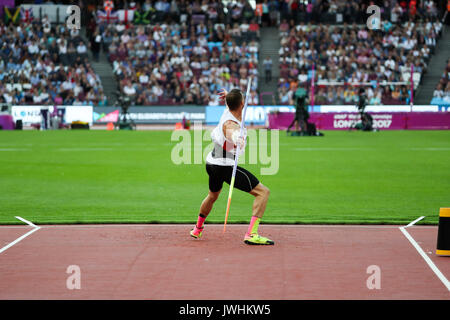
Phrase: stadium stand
(173,52)
(46,64)
(441,94)
(343,11)
(186,54)
(351,53)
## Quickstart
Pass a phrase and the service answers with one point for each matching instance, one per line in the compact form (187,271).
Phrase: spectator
(81,49)
(129,89)
(441,94)
(354,54)
(96,41)
(253,100)
(268,68)
(192,65)
(42,65)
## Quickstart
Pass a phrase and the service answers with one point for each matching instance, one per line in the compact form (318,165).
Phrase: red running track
(163,262)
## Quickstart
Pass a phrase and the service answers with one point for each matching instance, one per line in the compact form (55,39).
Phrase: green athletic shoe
(197,232)
(255,239)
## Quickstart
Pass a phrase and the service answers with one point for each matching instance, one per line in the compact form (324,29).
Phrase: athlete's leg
(208,202)
(261,194)
(205,209)
(247,182)
(215,186)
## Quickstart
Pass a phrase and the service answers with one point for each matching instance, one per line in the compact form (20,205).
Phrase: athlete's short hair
(234,99)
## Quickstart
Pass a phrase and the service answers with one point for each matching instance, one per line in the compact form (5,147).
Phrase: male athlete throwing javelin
(219,166)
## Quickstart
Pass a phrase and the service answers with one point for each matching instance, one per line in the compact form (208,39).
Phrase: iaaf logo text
(379,121)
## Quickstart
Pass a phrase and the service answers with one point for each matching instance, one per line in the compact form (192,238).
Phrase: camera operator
(127,97)
(301,111)
(4,110)
(366,123)
(124,101)
(362,101)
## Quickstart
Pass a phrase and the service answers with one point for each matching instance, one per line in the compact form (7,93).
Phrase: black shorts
(244,179)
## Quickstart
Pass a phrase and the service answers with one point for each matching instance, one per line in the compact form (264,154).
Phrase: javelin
(237,154)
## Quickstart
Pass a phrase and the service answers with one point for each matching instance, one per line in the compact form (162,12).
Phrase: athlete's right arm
(232,132)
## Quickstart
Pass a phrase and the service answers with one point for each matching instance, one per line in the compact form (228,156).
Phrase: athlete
(219,166)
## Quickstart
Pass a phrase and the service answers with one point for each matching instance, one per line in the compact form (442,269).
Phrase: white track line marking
(424,255)
(213,225)
(35,228)
(329,149)
(415,221)
(430,149)
(14,149)
(27,222)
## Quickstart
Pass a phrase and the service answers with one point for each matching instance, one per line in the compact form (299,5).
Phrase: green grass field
(388,177)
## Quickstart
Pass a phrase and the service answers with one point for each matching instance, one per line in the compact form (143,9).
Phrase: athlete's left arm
(222,95)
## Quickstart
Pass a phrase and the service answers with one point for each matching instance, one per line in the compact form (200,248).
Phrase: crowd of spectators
(46,65)
(344,11)
(190,50)
(441,94)
(186,54)
(355,54)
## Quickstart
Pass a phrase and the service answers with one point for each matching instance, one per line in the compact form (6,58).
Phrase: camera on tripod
(366,123)
(124,102)
(125,122)
(302,126)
